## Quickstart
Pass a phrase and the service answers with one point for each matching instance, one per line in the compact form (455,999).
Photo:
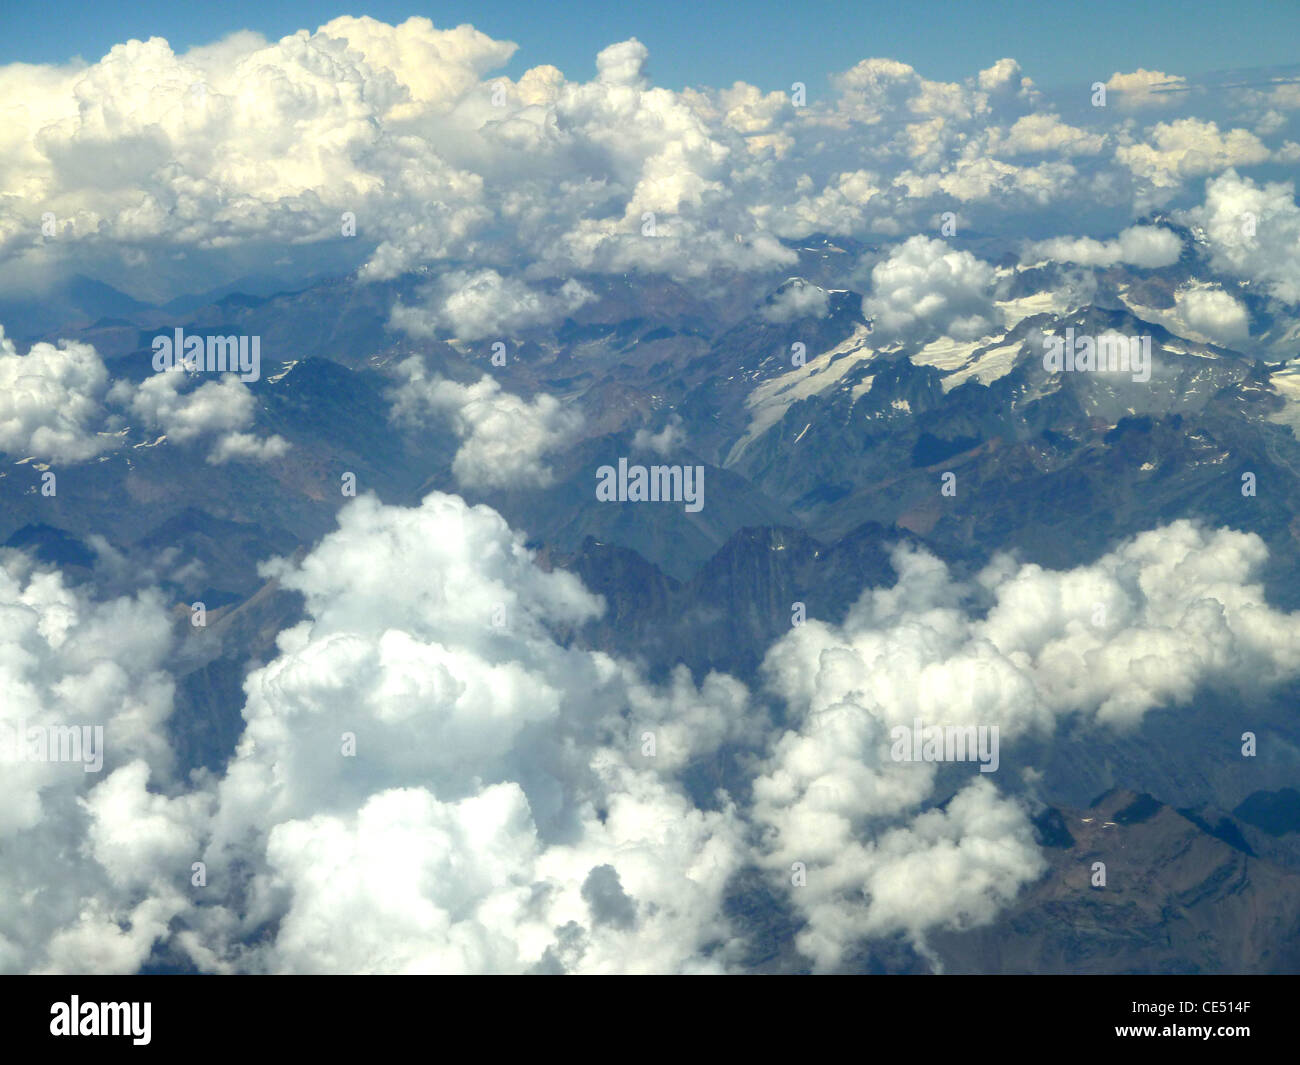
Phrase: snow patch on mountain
(985,359)
(770,400)
(1049,301)
(1287,385)
(989,365)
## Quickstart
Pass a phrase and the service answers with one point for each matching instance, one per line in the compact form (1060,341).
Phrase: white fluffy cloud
(147,153)
(841,207)
(432,780)
(1144,626)
(247,447)
(874,89)
(485,304)
(1188,148)
(500,813)
(926,285)
(1143,88)
(1253,232)
(503,811)
(1038,134)
(796,299)
(504,437)
(1214,313)
(97,864)
(669,439)
(56,402)
(50,401)
(220,408)
(1145,246)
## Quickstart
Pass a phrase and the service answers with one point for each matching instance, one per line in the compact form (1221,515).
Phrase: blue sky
(769,43)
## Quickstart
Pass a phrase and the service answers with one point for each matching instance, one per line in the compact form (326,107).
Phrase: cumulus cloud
(1002,75)
(246,447)
(485,304)
(1038,134)
(1144,626)
(975,176)
(1187,148)
(1252,231)
(926,285)
(218,408)
(840,207)
(623,65)
(502,812)
(1149,247)
(56,401)
(671,438)
(1214,313)
(1144,88)
(434,778)
(407,131)
(875,88)
(499,788)
(108,851)
(794,300)
(50,401)
(504,438)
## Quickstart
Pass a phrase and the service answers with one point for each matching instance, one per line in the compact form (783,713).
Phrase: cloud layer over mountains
(431,779)
(224,151)
(433,774)
(56,405)
(228,157)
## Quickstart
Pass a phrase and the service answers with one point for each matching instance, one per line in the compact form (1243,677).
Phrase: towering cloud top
(186,165)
